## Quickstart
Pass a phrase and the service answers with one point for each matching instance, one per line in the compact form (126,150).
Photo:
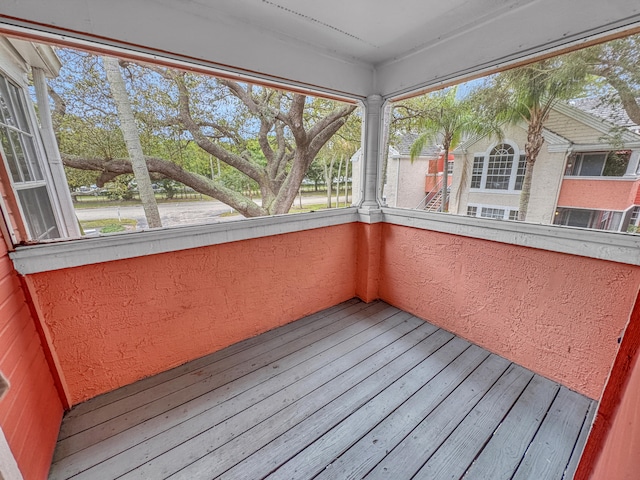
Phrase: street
(175,214)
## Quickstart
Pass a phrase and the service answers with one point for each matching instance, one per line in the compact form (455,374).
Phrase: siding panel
(31,412)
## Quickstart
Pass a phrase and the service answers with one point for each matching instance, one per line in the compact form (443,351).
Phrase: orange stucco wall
(368,261)
(31,412)
(598,194)
(612,449)
(113,323)
(559,315)
(620,456)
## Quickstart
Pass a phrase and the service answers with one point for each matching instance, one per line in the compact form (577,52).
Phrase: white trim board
(616,247)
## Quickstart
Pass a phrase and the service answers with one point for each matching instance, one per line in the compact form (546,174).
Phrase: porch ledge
(615,247)
(86,251)
(610,246)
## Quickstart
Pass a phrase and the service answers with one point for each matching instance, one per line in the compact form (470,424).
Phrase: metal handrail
(423,203)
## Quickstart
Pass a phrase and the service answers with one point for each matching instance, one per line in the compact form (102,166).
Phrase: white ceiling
(352,47)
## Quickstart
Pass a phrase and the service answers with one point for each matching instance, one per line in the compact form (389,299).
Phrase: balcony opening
(598,164)
(507,146)
(100,145)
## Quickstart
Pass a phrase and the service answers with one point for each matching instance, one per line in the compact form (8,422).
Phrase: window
(486,212)
(522,165)
(499,167)
(635,216)
(498,170)
(584,218)
(492,211)
(476,174)
(450,167)
(634,220)
(598,164)
(19,151)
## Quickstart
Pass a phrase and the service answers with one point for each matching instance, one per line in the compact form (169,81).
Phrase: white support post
(372,146)
(634,164)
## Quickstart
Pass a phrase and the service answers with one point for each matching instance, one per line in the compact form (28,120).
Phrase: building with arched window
(581,178)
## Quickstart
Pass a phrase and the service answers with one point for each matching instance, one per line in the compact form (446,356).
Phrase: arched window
(498,170)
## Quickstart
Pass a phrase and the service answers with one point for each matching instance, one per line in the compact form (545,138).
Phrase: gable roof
(558,142)
(404,147)
(612,112)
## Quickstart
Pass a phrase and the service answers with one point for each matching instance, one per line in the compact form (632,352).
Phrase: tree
(617,63)
(528,94)
(132,140)
(268,136)
(446,120)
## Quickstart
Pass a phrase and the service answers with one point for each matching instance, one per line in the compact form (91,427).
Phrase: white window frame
(40,158)
(614,226)
(579,158)
(485,169)
(479,206)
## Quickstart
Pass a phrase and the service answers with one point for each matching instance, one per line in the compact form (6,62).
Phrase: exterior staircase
(434,204)
(433,200)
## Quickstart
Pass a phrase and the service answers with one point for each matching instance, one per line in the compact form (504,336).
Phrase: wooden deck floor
(356,391)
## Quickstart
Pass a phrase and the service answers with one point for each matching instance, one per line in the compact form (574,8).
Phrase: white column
(634,164)
(60,187)
(372,147)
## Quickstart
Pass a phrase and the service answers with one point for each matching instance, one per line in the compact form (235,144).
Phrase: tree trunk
(346,183)
(445,179)
(328,179)
(531,149)
(132,140)
(338,183)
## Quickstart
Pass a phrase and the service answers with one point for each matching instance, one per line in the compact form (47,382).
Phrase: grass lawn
(294,209)
(109,225)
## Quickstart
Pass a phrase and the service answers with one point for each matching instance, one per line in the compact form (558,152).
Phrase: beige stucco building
(575,181)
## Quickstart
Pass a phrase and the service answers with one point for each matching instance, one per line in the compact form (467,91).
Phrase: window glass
(522,164)
(221,150)
(580,128)
(591,165)
(478,166)
(38,213)
(21,156)
(499,167)
(492,212)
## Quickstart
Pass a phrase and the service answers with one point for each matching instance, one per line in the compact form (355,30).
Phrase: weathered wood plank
(343,393)
(368,451)
(231,453)
(410,454)
(501,456)
(180,446)
(277,452)
(549,453)
(458,451)
(141,385)
(581,441)
(449,372)
(184,388)
(244,391)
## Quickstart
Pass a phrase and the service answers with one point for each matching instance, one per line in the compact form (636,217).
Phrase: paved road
(174,214)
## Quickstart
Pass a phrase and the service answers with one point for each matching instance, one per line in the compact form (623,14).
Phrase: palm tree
(529,94)
(447,121)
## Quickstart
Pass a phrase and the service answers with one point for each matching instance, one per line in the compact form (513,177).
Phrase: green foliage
(120,188)
(112,228)
(80,178)
(446,120)
(529,93)
(263,138)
